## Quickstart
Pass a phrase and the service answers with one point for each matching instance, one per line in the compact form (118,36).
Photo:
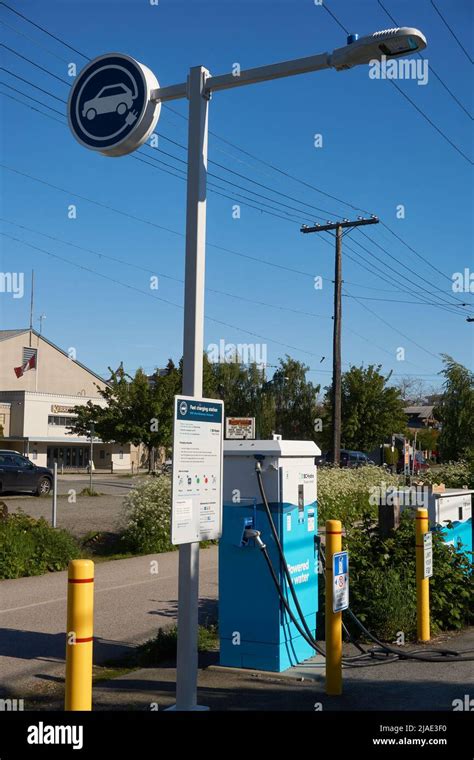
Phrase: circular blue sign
(110,107)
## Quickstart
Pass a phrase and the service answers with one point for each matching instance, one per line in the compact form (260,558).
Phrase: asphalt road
(131,603)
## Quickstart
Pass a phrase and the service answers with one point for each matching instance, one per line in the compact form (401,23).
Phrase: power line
(452,32)
(374,313)
(35,42)
(422,113)
(157,298)
(386,277)
(50,34)
(432,70)
(154,272)
(32,108)
(35,100)
(219,193)
(419,255)
(26,81)
(412,290)
(409,269)
(430,121)
(28,60)
(283,172)
(215,163)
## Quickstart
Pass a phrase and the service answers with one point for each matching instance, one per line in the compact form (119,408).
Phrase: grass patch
(105,673)
(163,646)
(88,492)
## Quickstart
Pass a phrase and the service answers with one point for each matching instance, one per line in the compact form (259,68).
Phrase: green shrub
(345,493)
(33,547)
(147,517)
(383,581)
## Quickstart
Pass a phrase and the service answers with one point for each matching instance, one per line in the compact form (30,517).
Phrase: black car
(17,473)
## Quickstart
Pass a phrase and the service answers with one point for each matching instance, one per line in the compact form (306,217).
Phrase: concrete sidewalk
(131,603)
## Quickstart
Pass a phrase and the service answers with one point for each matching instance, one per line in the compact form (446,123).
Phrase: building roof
(421,411)
(6,334)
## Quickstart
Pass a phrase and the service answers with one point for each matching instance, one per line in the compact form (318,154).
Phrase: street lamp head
(390,43)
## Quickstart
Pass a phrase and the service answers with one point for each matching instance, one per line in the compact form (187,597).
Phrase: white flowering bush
(147,517)
(345,493)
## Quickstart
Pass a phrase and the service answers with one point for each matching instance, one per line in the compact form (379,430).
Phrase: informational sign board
(198,434)
(110,107)
(427,555)
(340,574)
(240,428)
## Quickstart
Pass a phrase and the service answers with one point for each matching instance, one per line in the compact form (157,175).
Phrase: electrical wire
(432,70)
(286,174)
(452,32)
(420,111)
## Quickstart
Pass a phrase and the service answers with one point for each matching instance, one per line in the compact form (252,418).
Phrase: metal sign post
(113,108)
(55,494)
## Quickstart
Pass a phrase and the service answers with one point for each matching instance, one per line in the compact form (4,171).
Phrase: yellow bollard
(79,635)
(422,584)
(333,619)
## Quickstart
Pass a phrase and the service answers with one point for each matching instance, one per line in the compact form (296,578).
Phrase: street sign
(427,555)
(340,574)
(110,107)
(196,513)
(242,428)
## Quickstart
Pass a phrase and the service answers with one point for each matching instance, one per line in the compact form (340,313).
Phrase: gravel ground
(89,513)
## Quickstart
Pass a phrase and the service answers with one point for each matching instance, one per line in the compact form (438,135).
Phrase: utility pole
(336,341)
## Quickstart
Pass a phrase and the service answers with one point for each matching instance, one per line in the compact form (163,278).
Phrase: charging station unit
(254,628)
(450,512)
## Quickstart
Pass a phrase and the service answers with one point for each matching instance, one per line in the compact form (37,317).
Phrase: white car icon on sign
(116,98)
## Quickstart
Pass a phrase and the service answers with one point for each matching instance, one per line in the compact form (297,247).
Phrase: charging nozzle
(255,534)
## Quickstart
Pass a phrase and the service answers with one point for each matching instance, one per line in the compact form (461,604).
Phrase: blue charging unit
(254,628)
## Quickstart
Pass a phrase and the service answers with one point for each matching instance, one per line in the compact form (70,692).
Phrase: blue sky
(378,152)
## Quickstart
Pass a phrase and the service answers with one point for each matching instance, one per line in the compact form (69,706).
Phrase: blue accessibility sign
(340,588)
(111,107)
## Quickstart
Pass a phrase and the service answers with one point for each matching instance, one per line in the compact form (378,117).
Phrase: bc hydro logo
(110,107)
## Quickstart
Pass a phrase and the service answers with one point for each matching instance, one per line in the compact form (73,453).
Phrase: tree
(131,414)
(412,389)
(427,439)
(455,411)
(295,400)
(372,410)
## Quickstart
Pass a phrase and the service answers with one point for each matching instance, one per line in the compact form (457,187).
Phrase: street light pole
(193,349)
(198,89)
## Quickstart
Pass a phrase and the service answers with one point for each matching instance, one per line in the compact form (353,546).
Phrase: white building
(36,407)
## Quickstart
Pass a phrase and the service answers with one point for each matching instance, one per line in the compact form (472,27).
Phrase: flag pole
(32,301)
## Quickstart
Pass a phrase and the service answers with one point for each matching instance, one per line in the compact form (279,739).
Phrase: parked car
(19,474)
(348,458)
(419,465)
(354,458)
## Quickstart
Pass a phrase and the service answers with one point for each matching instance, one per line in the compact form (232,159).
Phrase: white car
(114,98)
